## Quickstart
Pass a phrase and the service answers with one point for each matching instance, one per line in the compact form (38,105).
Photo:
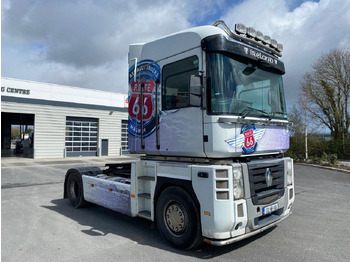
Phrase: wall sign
(15,90)
(147,75)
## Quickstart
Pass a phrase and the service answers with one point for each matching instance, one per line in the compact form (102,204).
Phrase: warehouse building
(58,121)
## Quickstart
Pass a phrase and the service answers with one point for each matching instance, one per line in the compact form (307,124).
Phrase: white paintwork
(174,170)
(218,217)
(172,44)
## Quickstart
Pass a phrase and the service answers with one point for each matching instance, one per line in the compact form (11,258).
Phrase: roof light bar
(250,35)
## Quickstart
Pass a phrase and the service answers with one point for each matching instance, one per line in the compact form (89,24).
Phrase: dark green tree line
(325,94)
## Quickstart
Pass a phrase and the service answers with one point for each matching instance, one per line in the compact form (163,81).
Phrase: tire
(178,218)
(75,192)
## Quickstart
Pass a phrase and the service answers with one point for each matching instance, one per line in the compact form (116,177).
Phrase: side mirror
(196,92)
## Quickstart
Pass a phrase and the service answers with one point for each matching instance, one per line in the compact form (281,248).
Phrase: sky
(85,43)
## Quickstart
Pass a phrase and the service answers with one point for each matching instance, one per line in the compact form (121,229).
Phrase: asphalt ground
(39,225)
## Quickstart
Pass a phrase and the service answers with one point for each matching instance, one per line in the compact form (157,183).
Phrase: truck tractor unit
(207,114)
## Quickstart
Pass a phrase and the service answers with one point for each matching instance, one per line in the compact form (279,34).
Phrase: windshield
(237,88)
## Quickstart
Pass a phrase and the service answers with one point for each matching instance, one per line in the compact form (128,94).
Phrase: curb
(77,161)
(67,159)
(325,167)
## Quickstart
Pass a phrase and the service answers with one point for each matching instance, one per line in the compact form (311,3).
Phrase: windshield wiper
(250,109)
(272,114)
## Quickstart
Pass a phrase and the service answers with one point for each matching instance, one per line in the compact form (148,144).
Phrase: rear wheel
(178,218)
(75,192)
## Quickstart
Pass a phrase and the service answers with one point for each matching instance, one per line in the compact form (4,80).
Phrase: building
(58,121)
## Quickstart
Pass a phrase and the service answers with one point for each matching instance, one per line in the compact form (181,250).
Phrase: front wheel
(178,218)
(74,189)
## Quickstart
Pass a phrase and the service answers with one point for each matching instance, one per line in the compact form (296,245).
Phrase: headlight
(289,172)
(238,189)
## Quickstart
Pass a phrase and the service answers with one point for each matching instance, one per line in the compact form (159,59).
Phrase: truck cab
(236,109)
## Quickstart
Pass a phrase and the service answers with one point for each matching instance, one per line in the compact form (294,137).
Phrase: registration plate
(269,209)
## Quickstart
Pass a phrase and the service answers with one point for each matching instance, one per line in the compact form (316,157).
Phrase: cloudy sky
(85,43)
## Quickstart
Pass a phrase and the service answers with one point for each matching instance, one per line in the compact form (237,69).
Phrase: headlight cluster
(289,172)
(238,189)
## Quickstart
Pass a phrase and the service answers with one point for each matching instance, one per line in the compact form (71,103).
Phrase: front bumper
(250,234)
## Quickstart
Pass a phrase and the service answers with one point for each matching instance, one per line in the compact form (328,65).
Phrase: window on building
(124,134)
(81,136)
(176,81)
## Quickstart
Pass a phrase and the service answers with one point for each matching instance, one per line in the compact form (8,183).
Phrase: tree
(296,117)
(296,147)
(327,92)
(312,143)
(15,133)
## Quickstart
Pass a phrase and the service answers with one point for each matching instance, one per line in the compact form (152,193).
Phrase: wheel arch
(89,171)
(166,182)
(182,194)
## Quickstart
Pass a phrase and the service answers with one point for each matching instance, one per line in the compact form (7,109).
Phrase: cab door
(180,125)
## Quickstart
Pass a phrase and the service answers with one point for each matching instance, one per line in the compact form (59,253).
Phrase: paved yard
(38,225)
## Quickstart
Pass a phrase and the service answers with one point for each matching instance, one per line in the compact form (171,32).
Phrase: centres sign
(15,90)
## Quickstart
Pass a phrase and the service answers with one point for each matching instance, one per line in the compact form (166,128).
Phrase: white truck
(207,112)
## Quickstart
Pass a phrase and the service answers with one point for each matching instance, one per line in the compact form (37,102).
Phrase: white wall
(50,120)
(50,124)
(52,92)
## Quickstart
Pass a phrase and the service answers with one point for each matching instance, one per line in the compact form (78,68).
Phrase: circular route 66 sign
(147,75)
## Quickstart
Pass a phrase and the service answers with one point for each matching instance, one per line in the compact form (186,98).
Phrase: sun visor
(243,52)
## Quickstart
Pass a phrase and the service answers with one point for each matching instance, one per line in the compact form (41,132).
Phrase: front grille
(262,194)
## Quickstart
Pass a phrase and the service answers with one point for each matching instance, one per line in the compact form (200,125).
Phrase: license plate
(269,209)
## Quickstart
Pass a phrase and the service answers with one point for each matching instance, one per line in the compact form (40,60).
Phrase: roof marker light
(273,43)
(267,40)
(279,47)
(240,29)
(259,36)
(251,32)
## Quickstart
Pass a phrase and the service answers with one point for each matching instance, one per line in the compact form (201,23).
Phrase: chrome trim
(258,121)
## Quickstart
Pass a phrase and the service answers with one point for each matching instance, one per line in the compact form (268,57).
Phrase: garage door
(81,136)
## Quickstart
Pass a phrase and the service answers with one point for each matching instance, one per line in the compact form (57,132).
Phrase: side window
(176,81)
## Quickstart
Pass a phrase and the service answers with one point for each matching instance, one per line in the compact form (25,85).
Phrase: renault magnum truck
(208,114)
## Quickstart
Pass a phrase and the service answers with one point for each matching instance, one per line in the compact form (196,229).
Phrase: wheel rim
(176,218)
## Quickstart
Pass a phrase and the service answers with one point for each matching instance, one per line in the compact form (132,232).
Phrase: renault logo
(268,177)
